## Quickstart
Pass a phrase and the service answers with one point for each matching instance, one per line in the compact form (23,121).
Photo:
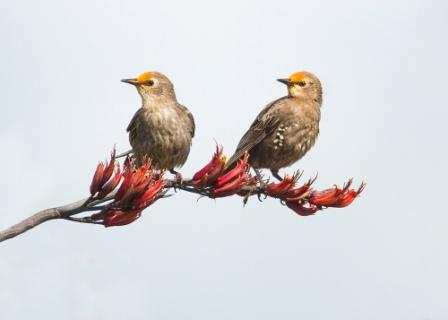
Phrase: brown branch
(51,214)
(67,211)
(29,223)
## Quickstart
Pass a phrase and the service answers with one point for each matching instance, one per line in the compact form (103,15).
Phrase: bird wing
(262,127)
(132,127)
(192,128)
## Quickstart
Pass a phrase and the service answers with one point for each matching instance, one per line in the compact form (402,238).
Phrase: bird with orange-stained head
(162,129)
(285,129)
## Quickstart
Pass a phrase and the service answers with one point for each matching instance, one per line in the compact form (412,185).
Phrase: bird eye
(150,82)
(301,83)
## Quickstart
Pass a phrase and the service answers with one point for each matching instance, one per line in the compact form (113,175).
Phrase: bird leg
(276,175)
(179,178)
(259,177)
(262,185)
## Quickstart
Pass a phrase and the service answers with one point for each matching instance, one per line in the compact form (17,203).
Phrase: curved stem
(62,212)
(29,223)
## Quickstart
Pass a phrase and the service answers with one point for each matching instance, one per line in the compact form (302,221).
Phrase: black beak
(285,81)
(130,81)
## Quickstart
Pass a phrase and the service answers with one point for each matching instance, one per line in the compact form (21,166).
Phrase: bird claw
(261,191)
(260,194)
(245,199)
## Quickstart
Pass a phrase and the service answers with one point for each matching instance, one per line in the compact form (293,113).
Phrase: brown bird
(286,128)
(162,129)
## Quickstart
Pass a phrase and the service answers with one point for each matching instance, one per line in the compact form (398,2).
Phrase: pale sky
(382,65)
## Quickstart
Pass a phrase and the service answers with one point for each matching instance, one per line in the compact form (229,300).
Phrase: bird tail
(123,154)
(232,162)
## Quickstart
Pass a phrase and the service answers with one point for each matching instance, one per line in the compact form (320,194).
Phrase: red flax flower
(97,179)
(211,181)
(294,197)
(299,193)
(106,178)
(140,187)
(132,189)
(233,181)
(336,197)
(116,218)
(306,201)
(120,193)
(285,186)
(110,185)
(300,209)
(208,174)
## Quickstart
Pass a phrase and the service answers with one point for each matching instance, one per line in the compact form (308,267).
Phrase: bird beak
(131,81)
(285,81)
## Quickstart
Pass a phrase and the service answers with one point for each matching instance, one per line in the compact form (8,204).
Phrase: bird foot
(261,194)
(178,181)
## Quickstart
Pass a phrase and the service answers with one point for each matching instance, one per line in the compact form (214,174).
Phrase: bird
(285,129)
(162,129)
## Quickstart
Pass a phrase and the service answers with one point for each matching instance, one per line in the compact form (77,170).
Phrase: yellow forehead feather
(145,77)
(297,77)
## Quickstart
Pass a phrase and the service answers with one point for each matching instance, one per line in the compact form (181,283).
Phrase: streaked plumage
(162,129)
(287,128)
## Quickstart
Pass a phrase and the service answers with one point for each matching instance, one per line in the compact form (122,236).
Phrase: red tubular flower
(239,169)
(232,187)
(348,197)
(109,169)
(336,197)
(97,179)
(117,218)
(133,179)
(278,189)
(140,173)
(326,198)
(134,192)
(208,174)
(139,187)
(139,192)
(125,185)
(218,153)
(329,197)
(299,193)
(111,184)
(300,209)
(149,196)
(102,175)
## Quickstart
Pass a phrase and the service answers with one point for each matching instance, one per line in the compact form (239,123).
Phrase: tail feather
(123,154)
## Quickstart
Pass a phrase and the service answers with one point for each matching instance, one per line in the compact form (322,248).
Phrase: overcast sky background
(383,66)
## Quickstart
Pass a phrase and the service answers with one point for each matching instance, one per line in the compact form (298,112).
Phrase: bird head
(304,84)
(152,84)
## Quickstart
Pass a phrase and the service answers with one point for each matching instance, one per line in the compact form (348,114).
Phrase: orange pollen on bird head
(297,77)
(144,77)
